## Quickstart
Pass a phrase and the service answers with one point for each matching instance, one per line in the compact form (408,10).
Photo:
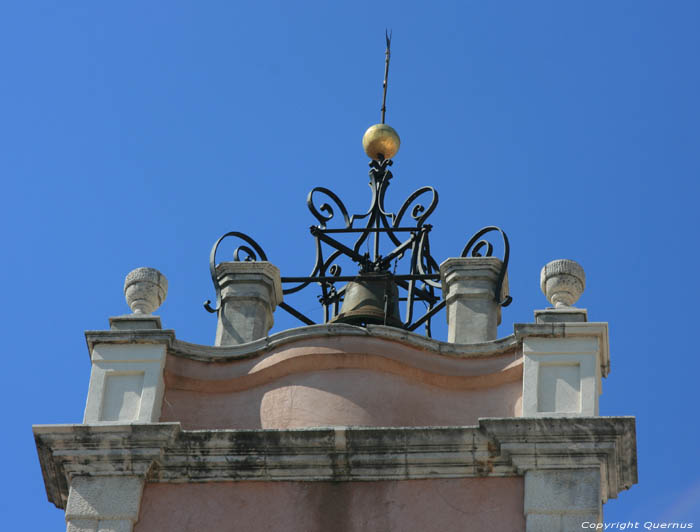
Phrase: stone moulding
(361,353)
(162,452)
(205,353)
(259,347)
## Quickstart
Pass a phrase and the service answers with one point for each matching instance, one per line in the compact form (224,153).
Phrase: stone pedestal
(126,381)
(563,366)
(250,292)
(469,288)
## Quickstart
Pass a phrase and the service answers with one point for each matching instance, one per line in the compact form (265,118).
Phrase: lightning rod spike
(387,35)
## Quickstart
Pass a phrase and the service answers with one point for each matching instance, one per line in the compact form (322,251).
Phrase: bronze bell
(371,298)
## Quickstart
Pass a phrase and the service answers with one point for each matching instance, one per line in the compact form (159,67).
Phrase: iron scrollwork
(477,243)
(252,254)
(421,284)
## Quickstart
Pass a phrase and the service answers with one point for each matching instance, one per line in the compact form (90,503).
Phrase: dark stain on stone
(484,469)
(493,448)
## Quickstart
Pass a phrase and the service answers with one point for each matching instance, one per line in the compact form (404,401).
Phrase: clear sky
(135,133)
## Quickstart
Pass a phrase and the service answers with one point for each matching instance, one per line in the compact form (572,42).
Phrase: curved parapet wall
(341,375)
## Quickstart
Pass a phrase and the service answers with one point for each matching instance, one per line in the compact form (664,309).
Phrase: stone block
(134,322)
(561,315)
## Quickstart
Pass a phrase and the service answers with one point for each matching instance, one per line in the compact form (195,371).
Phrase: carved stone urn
(562,281)
(145,290)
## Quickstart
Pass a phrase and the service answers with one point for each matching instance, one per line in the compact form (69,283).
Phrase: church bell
(371,299)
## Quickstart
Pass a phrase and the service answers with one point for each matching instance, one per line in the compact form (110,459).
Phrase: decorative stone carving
(562,282)
(145,290)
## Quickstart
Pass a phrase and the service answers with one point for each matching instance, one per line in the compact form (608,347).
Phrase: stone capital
(243,273)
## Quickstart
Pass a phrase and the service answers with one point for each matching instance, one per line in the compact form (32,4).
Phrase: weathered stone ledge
(162,452)
(259,347)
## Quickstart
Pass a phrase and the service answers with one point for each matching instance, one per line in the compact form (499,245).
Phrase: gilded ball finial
(381,142)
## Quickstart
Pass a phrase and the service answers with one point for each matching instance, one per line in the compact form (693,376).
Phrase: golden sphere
(381,139)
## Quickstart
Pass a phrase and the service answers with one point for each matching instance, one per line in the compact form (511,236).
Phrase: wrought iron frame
(419,284)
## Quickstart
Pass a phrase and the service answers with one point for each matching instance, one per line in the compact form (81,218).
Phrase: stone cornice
(256,348)
(142,336)
(570,443)
(335,330)
(162,452)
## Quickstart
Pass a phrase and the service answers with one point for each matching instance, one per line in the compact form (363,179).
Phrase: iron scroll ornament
(476,243)
(420,284)
(252,254)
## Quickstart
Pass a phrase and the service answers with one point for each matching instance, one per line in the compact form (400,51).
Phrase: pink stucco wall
(340,397)
(464,505)
(342,381)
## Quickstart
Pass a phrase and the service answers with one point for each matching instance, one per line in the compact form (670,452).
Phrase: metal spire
(387,34)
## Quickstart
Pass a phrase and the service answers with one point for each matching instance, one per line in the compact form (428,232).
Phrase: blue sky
(134,134)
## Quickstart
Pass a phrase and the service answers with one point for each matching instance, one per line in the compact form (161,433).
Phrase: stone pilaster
(103,504)
(469,288)
(560,500)
(250,292)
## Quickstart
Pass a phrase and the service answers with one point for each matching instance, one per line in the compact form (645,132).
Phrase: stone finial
(145,290)
(562,281)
